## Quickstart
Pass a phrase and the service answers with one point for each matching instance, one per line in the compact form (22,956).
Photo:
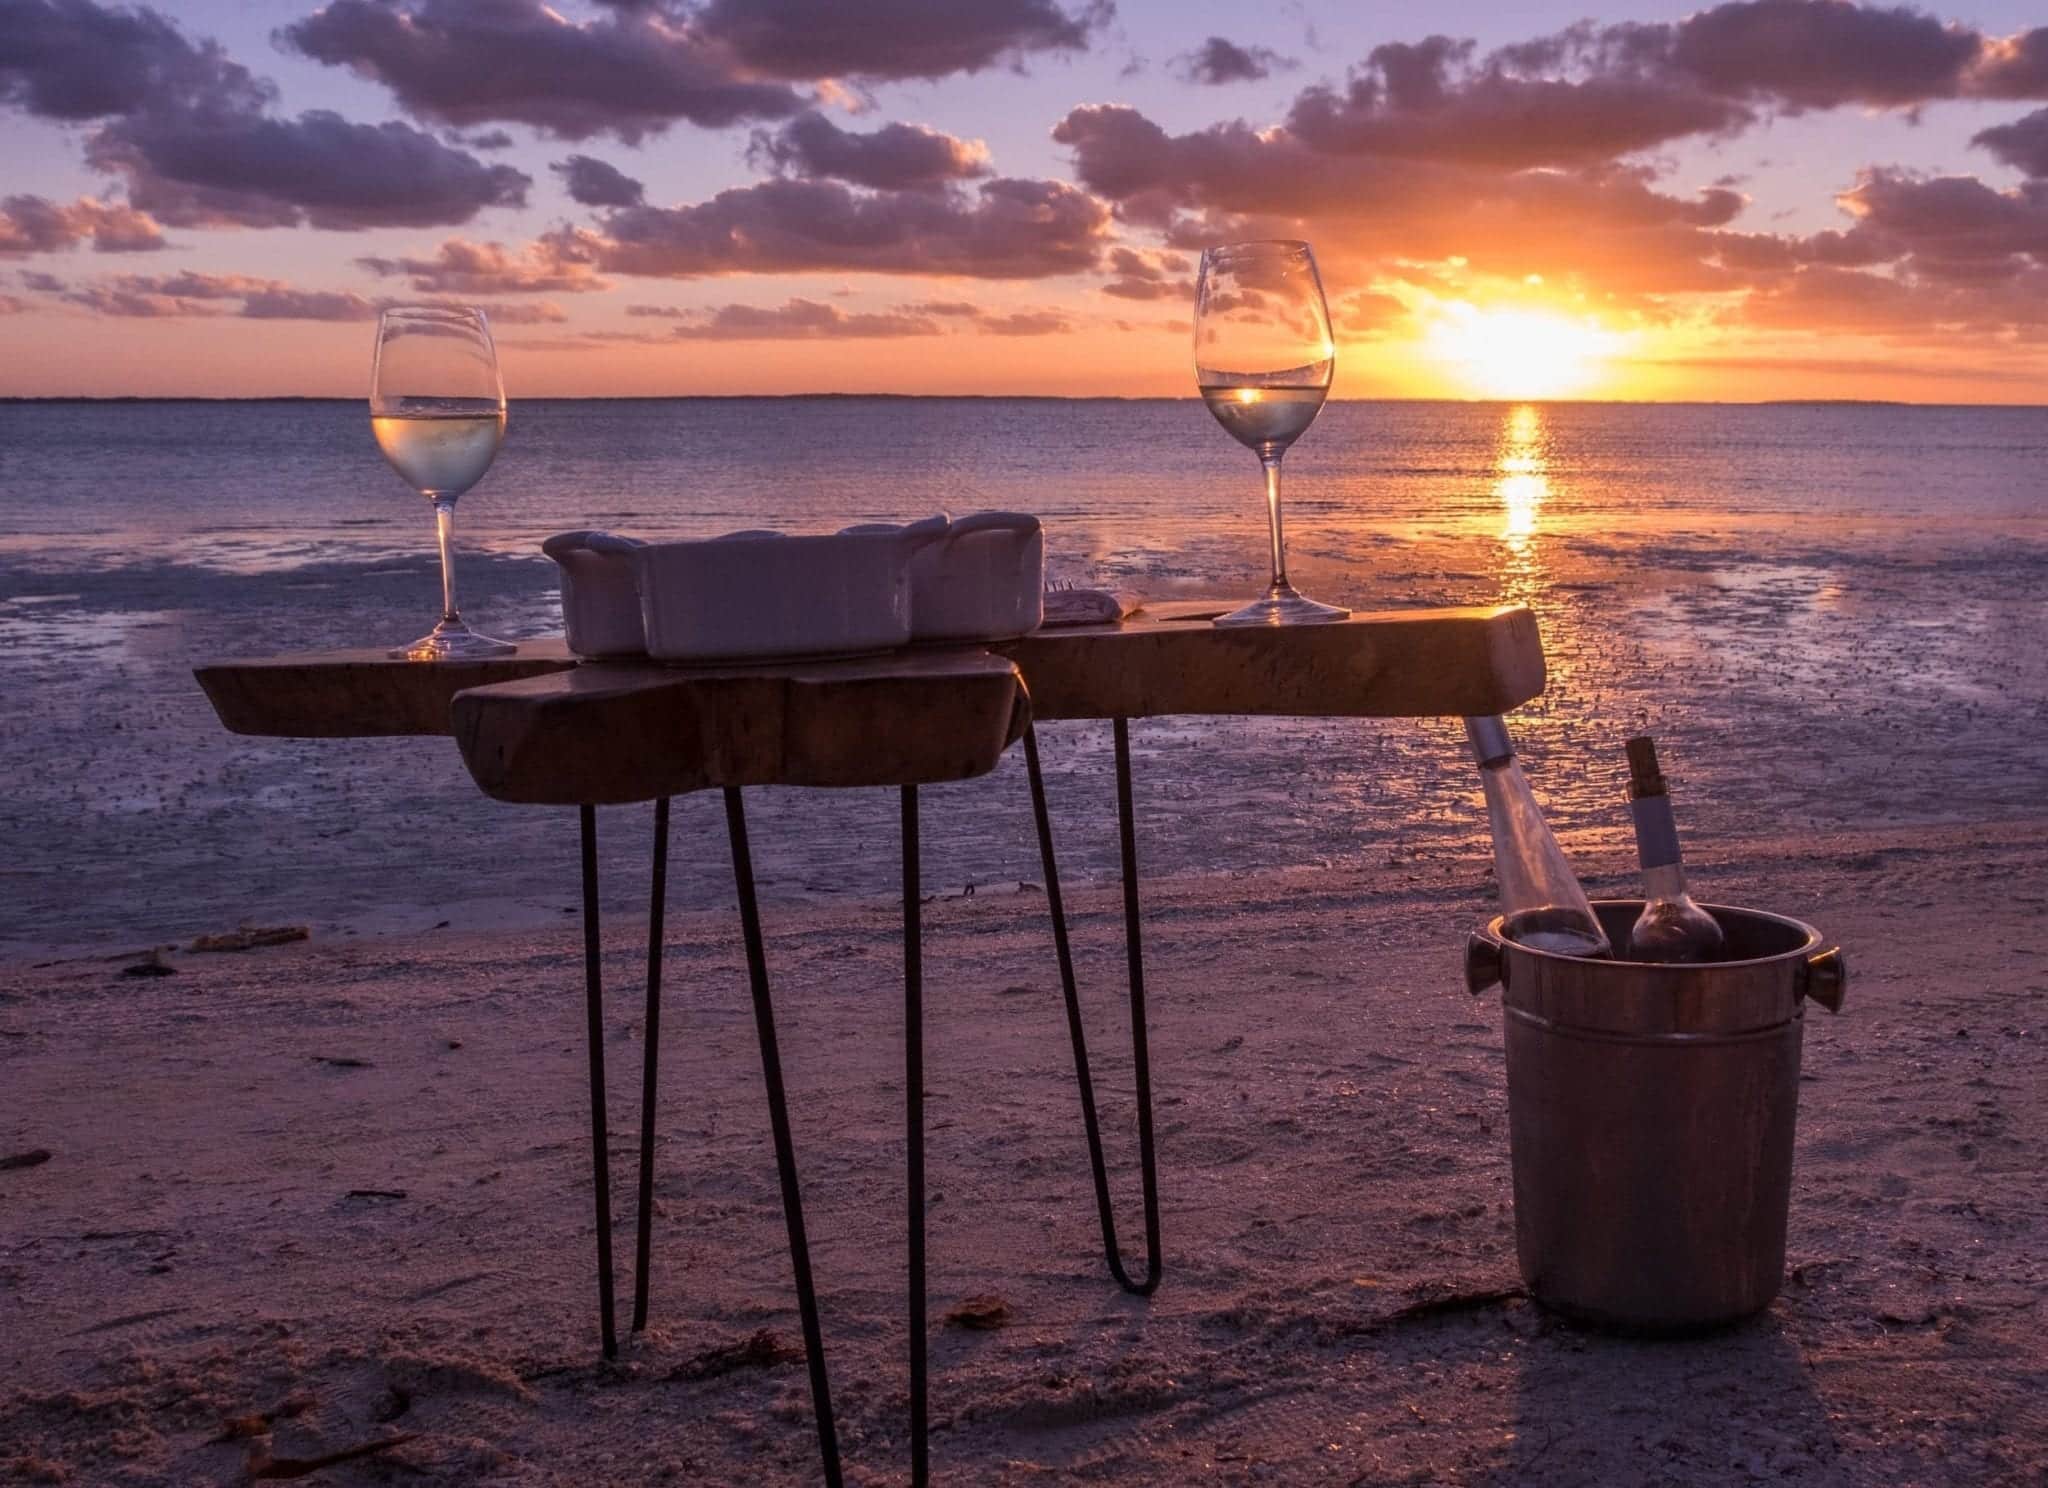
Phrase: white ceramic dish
(984,580)
(762,594)
(600,593)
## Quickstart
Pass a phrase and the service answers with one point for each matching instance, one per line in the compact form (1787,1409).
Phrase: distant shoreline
(123,399)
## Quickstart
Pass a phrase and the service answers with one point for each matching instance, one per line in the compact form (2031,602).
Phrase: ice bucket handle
(1484,965)
(1826,978)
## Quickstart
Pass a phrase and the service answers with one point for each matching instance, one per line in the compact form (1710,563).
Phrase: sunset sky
(1764,199)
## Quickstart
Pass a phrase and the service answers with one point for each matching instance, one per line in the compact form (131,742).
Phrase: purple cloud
(35,224)
(1523,160)
(1930,257)
(189,293)
(1601,224)
(76,61)
(460,267)
(282,303)
(1952,227)
(896,157)
(2014,67)
(1800,54)
(1009,229)
(1822,54)
(205,169)
(1026,323)
(1237,170)
(630,73)
(1520,160)
(191,131)
(154,296)
(1430,101)
(1847,301)
(2022,144)
(591,182)
(882,39)
(795,320)
(812,320)
(1218,61)
(1149,276)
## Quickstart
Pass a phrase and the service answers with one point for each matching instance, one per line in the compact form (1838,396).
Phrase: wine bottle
(1543,905)
(1671,927)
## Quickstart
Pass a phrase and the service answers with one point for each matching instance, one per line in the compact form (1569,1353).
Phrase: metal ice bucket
(1650,1117)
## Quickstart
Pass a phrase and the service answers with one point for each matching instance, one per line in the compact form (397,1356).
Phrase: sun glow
(1504,353)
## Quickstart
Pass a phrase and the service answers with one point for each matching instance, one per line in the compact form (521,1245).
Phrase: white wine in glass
(1263,361)
(437,407)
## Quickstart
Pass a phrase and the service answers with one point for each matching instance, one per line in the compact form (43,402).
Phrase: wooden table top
(1168,659)
(541,726)
(607,732)
(359,694)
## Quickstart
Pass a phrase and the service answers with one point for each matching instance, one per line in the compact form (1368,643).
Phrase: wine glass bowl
(1264,356)
(437,409)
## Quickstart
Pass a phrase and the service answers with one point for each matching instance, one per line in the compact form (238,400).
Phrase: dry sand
(322,1195)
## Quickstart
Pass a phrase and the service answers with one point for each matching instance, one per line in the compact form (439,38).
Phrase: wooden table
(1454,663)
(539,727)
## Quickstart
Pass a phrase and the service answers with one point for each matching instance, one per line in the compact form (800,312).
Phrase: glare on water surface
(1523,483)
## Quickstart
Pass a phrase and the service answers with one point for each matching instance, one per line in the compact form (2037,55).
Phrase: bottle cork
(1644,778)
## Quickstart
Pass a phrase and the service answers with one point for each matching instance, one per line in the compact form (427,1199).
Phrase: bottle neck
(1491,746)
(1656,835)
(1666,881)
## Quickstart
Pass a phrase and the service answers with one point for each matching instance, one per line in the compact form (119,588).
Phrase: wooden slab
(1168,659)
(358,694)
(609,732)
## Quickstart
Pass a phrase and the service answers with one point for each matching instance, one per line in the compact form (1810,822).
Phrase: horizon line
(14,399)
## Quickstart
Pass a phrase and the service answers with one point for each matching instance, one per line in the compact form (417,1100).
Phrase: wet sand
(325,1195)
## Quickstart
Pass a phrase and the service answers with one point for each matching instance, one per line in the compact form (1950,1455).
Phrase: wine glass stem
(444,523)
(1271,465)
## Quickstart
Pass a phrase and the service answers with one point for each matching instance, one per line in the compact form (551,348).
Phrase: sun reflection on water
(1522,486)
(1528,490)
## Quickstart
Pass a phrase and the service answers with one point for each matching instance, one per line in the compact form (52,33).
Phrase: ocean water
(1831,616)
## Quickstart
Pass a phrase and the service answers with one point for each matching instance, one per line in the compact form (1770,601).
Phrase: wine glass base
(452,640)
(1282,606)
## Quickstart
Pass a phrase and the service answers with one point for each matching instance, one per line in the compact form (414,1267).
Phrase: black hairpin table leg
(1140,1040)
(785,1151)
(656,906)
(913,1110)
(600,1159)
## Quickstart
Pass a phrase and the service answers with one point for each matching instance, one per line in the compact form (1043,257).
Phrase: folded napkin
(1087,606)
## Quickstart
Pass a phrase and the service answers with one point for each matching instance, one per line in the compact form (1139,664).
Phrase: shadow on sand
(1733,1406)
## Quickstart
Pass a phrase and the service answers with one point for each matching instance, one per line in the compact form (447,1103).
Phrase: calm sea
(1830,615)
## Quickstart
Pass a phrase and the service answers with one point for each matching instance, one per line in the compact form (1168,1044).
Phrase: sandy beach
(322,1196)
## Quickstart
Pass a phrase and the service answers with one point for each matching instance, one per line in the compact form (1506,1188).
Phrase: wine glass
(437,407)
(1263,359)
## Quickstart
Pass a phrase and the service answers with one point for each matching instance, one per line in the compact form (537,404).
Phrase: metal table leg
(656,907)
(785,1156)
(913,1108)
(600,1159)
(1141,1063)
(785,1151)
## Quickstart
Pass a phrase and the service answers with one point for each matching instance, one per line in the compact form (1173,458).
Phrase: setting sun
(1520,353)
